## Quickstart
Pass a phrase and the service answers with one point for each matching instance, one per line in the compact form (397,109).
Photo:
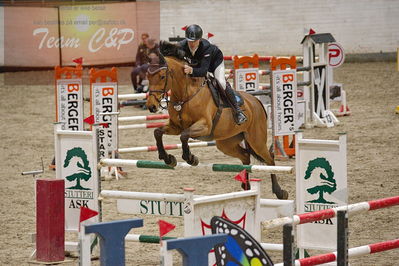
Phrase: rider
(206,57)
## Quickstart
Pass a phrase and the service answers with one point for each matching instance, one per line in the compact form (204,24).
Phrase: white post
(329,80)
(188,212)
(255,185)
(166,256)
(343,147)
(84,246)
(112,144)
(343,102)
(308,76)
(58,127)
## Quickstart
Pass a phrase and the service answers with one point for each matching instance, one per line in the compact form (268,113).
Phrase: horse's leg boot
(239,115)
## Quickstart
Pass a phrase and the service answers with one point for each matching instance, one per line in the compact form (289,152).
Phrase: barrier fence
(330,213)
(167,147)
(212,167)
(352,252)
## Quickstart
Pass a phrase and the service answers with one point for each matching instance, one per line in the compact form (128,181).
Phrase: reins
(177,105)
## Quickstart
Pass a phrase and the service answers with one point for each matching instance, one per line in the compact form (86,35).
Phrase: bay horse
(192,113)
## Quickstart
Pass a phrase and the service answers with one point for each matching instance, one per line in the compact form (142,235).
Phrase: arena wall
(266,27)
(277,27)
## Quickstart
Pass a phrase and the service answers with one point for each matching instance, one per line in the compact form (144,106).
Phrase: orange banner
(101,33)
(22,47)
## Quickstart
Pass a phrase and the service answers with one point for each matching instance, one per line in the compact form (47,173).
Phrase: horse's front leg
(198,129)
(162,154)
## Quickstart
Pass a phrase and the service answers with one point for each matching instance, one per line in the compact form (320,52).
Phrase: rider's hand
(188,69)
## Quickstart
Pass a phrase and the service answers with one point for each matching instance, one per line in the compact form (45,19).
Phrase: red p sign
(336,56)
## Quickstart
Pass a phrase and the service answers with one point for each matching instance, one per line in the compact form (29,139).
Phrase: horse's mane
(174,53)
(171,50)
(166,50)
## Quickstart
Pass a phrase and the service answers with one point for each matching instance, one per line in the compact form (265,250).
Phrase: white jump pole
(212,167)
(166,147)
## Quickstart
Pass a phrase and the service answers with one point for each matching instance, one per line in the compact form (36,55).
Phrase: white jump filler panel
(76,160)
(104,99)
(321,183)
(246,79)
(284,102)
(70,103)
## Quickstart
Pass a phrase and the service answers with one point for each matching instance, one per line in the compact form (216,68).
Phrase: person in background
(139,71)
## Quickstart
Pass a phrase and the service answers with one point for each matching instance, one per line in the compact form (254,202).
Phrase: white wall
(271,27)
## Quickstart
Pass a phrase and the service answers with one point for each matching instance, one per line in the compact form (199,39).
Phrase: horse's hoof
(193,160)
(171,161)
(283,195)
(246,186)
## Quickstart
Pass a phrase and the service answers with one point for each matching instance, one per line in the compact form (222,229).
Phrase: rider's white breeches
(219,75)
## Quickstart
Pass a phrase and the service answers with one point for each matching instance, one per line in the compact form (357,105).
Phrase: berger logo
(77,162)
(320,171)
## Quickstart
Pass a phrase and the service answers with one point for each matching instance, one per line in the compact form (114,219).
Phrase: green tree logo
(321,170)
(76,160)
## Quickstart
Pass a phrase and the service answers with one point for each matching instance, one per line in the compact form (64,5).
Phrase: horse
(194,114)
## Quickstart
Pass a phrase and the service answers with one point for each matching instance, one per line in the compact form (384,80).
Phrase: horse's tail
(248,147)
(263,107)
(253,153)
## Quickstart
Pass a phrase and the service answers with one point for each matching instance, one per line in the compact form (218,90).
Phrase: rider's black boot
(239,115)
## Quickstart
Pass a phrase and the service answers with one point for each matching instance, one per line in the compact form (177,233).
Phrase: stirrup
(240,118)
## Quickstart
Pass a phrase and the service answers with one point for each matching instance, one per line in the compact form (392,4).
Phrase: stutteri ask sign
(284,102)
(76,160)
(321,183)
(151,207)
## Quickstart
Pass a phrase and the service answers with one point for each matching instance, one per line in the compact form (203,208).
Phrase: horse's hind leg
(257,142)
(231,147)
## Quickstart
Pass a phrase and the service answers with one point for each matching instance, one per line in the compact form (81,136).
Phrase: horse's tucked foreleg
(196,130)
(162,154)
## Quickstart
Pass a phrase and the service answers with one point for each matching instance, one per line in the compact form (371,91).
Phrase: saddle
(218,94)
(220,99)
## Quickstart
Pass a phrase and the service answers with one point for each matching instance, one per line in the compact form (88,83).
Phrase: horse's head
(157,75)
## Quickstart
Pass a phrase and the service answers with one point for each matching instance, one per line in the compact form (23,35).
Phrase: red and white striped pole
(330,213)
(261,58)
(148,125)
(352,252)
(143,118)
(260,72)
(135,96)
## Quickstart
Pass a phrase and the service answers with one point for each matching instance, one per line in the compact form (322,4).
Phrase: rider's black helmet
(193,32)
